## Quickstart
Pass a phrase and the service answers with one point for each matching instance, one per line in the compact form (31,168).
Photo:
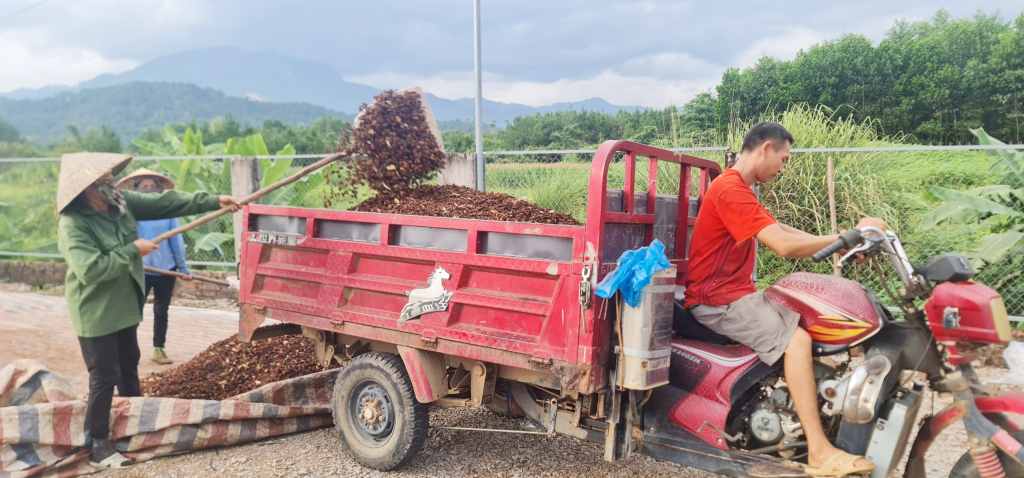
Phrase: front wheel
(966,468)
(376,413)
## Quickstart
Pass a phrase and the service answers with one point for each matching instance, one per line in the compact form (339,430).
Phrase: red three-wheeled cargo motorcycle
(454,312)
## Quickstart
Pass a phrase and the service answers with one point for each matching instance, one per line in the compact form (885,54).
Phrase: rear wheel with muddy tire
(967,468)
(376,413)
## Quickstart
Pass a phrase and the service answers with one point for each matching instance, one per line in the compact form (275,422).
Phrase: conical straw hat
(129,181)
(79,170)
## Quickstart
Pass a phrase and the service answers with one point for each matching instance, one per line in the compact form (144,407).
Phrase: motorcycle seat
(686,326)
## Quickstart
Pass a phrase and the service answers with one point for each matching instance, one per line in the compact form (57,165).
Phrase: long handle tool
(194,276)
(248,199)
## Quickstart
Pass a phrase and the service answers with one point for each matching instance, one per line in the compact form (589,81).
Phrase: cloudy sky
(534,52)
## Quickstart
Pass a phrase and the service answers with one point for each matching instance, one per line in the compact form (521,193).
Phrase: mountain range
(215,82)
(131,108)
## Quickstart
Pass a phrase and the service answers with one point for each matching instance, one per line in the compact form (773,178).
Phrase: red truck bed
(515,297)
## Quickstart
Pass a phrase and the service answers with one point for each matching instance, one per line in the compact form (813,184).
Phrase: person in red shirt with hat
(720,290)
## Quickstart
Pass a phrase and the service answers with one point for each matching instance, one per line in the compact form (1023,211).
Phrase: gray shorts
(753,320)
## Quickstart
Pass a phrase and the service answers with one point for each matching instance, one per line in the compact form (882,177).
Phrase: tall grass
(889,185)
(892,186)
(564,186)
(560,186)
(28,216)
(799,197)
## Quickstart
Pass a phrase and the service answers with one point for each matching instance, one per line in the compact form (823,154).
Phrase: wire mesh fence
(28,219)
(211,242)
(892,183)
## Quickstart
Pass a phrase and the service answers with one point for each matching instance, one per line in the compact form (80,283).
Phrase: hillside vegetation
(926,82)
(939,81)
(933,80)
(130,109)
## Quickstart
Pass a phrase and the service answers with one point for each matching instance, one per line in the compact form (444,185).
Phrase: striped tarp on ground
(42,421)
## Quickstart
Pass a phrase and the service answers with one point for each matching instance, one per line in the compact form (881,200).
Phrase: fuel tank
(838,313)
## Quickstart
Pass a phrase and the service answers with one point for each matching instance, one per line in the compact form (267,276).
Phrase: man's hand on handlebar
(860,259)
(871,222)
(851,239)
(867,222)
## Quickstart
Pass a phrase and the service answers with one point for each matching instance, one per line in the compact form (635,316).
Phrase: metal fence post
(833,218)
(481,178)
(245,180)
(730,158)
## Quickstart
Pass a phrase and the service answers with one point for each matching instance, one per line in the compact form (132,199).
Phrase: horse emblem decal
(432,298)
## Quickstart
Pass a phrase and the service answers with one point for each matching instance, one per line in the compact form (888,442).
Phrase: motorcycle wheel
(965,468)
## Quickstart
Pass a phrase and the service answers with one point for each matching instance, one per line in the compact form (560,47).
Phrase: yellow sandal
(840,464)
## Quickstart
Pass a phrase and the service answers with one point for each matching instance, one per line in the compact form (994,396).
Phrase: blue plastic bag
(633,271)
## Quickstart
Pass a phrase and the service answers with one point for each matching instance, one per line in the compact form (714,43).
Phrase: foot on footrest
(777,470)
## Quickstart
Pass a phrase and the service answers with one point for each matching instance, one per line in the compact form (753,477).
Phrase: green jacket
(105,282)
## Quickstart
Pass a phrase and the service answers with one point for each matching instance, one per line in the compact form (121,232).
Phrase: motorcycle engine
(769,418)
(766,426)
(766,421)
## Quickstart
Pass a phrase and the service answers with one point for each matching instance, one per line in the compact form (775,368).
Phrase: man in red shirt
(721,294)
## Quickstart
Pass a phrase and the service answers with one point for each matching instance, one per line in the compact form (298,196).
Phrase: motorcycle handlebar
(847,240)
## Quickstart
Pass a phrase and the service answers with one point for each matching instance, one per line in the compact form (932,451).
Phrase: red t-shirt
(722,245)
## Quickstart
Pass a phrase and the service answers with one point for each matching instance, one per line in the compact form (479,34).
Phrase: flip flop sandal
(840,464)
(114,461)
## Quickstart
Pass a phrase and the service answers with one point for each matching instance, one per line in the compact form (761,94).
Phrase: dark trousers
(112,359)
(162,287)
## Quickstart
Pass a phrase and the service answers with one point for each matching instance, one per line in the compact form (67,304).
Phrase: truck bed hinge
(586,288)
(429,338)
(541,360)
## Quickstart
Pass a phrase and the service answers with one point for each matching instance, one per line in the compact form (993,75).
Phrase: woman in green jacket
(105,284)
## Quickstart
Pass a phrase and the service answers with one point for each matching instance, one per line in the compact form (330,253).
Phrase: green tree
(18,150)
(8,133)
(696,121)
(103,140)
(221,128)
(933,79)
(318,138)
(456,141)
(729,107)
(1006,74)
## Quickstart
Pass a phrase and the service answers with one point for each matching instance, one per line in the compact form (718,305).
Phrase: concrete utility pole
(245,180)
(481,182)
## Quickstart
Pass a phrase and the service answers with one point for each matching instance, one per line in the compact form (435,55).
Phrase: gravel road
(472,454)
(446,453)
(452,453)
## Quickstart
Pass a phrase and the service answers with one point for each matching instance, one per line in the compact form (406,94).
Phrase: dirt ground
(44,334)
(36,325)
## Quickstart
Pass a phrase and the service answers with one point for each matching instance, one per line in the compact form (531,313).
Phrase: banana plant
(275,169)
(195,174)
(1000,206)
(187,172)
(215,175)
